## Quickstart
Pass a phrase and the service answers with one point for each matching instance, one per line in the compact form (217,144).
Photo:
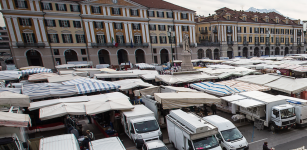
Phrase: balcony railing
(209,44)
(203,31)
(140,44)
(287,44)
(299,43)
(4,46)
(99,44)
(214,31)
(277,44)
(229,31)
(30,45)
(267,44)
(257,43)
(245,43)
(230,43)
(119,44)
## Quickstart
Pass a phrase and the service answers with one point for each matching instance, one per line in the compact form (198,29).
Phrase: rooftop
(160,4)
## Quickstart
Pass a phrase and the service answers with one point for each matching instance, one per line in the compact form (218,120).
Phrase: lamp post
(170,36)
(269,36)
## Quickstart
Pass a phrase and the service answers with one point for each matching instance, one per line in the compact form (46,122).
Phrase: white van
(230,137)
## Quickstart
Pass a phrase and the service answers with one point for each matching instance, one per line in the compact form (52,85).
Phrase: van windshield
(146,126)
(231,134)
(8,144)
(205,143)
(287,113)
(160,148)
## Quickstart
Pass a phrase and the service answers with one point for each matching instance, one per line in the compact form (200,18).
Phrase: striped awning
(9,76)
(86,85)
(35,70)
(216,89)
(243,85)
(13,90)
(145,66)
(44,90)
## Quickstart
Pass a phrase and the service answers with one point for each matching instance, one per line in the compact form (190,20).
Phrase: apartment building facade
(230,33)
(52,32)
(4,44)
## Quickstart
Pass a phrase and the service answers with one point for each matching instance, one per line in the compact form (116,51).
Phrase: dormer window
(228,18)
(277,21)
(215,17)
(244,18)
(266,20)
(287,22)
(256,19)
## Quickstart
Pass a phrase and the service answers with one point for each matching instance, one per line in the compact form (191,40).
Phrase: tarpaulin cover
(183,78)
(35,70)
(243,85)
(289,85)
(131,83)
(14,120)
(216,89)
(259,79)
(14,99)
(184,99)
(61,109)
(43,90)
(41,76)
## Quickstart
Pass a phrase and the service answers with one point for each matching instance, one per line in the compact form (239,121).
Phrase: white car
(154,145)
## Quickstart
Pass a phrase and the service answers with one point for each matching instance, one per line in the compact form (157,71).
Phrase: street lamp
(170,36)
(269,38)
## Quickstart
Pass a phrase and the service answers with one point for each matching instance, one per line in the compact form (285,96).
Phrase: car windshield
(231,134)
(146,126)
(159,148)
(287,113)
(205,143)
(8,146)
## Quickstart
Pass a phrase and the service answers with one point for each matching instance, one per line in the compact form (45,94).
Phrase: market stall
(259,79)
(10,119)
(35,70)
(14,99)
(60,110)
(183,78)
(41,76)
(216,89)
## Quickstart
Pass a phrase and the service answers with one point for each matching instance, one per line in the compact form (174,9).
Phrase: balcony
(99,44)
(277,44)
(229,31)
(257,43)
(299,33)
(192,44)
(138,44)
(287,44)
(203,31)
(209,44)
(245,43)
(30,45)
(4,46)
(214,31)
(119,45)
(230,43)
(299,43)
(267,44)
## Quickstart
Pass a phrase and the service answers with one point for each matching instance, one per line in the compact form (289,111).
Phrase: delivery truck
(188,131)
(141,125)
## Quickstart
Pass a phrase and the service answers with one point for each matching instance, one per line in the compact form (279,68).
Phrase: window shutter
(99,9)
(20,22)
(131,12)
(50,5)
(68,23)
(49,37)
(97,38)
(113,11)
(83,38)
(63,38)
(95,26)
(160,39)
(77,39)
(102,24)
(163,14)
(24,37)
(158,14)
(154,27)
(60,23)
(187,28)
(159,27)
(121,25)
(57,6)
(141,39)
(137,12)
(30,22)
(181,15)
(74,22)
(114,24)
(42,5)
(54,23)
(139,26)
(133,27)
(71,9)
(92,9)
(182,28)
(120,12)
(117,39)
(156,39)
(71,40)
(16,3)
(57,38)
(33,35)
(104,39)
(65,7)
(46,23)
(26,4)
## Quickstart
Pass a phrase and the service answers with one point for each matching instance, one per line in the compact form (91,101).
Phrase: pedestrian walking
(90,135)
(213,108)
(89,119)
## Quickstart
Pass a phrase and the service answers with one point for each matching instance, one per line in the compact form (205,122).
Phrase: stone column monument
(186,64)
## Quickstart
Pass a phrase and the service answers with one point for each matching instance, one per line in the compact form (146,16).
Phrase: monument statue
(186,64)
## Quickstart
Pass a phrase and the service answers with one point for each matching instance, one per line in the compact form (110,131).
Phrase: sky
(292,9)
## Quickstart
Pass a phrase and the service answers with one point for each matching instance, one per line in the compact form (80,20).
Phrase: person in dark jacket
(205,110)
(85,142)
(265,146)
(213,108)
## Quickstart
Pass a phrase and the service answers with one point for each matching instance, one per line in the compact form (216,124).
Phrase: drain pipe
(85,38)
(152,55)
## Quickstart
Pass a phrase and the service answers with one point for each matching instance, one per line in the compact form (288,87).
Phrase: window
(154,50)
(118,26)
(151,13)
(239,53)
(53,38)
(58,61)
(228,18)
(160,14)
(136,26)
(29,37)
(170,27)
(161,27)
(83,52)
(21,4)
(184,16)
(169,14)
(282,40)
(251,54)
(64,23)
(84,58)
(47,6)
(244,19)
(96,10)
(244,29)
(171,39)
(120,39)
(152,27)
(98,25)
(67,38)
(239,39)
(266,20)
(75,8)
(250,39)
(261,47)
(77,24)
(80,38)
(239,48)
(61,7)
(261,39)
(256,19)
(56,52)
(138,39)
(153,40)
(256,30)
(239,29)
(185,28)
(25,22)
(163,40)
(156,61)
(277,21)
(250,30)
(116,11)
(134,12)
(101,38)
(272,40)
(50,23)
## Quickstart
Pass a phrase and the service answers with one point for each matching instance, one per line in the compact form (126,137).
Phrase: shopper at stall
(85,142)
(89,119)
(213,108)
(90,135)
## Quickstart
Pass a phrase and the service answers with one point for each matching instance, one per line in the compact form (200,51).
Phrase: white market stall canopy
(45,103)
(62,78)
(14,99)
(41,76)
(61,109)
(106,102)
(107,144)
(259,79)
(59,142)
(289,85)
(232,98)
(116,75)
(183,78)
(184,99)
(215,89)
(243,85)
(161,89)
(44,90)
(35,70)
(30,67)
(145,66)
(247,103)
(10,119)
(13,90)
(131,83)
(261,96)
(9,76)
(146,74)
(66,66)
(107,70)
(86,85)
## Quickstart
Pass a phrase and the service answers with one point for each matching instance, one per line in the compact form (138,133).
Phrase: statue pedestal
(186,64)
